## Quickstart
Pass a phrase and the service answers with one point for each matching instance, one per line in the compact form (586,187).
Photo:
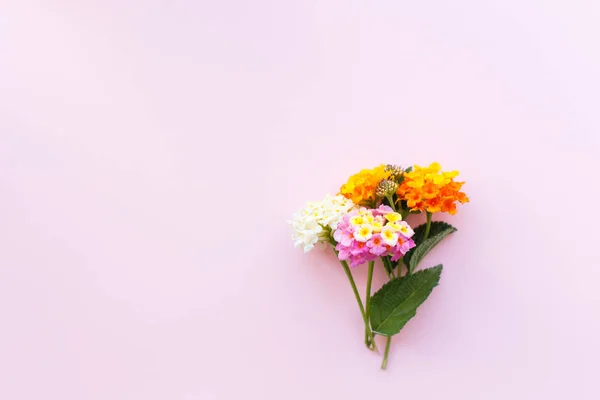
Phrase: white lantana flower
(314,223)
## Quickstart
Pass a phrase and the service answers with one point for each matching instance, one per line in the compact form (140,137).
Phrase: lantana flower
(315,222)
(361,188)
(429,189)
(358,241)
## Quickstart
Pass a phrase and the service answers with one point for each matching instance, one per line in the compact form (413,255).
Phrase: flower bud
(386,188)
(395,171)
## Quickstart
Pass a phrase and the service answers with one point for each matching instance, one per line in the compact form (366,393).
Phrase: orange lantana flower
(429,189)
(361,187)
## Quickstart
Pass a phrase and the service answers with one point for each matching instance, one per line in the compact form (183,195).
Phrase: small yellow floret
(393,217)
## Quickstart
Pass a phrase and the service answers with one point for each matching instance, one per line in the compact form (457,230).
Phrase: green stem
(399,268)
(427,226)
(354,288)
(369,341)
(389,338)
(387,352)
(368,302)
(399,274)
(388,267)
(391,201)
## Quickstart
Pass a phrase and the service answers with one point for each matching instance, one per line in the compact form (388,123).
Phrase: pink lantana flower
(366,234)
(343,237)
(376,245)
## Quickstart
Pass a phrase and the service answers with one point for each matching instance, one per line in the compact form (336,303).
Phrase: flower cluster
(361,188)
(366,234)
(429,189)
(365,223)
(316,220)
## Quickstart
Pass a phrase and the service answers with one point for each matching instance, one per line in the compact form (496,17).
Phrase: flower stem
(389,338)
(387,352)
(388,267)
(427,226)
(368,301)
(369,341)
(391,201)
(399,268)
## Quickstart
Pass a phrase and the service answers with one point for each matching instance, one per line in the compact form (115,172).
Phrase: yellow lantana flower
(363,234)
(362,186)
(393,217)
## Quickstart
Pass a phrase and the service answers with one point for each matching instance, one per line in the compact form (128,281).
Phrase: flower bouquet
(366,221)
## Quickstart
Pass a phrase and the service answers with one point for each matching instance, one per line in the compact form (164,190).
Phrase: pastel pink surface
(150,153)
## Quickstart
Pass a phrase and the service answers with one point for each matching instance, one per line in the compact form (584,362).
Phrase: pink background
(151,151)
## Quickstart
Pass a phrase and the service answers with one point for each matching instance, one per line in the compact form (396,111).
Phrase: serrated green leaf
(397,301)
(425,247)
(436,228)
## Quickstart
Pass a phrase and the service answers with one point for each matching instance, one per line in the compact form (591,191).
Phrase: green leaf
(397,301)
(438,228)
(408,169)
